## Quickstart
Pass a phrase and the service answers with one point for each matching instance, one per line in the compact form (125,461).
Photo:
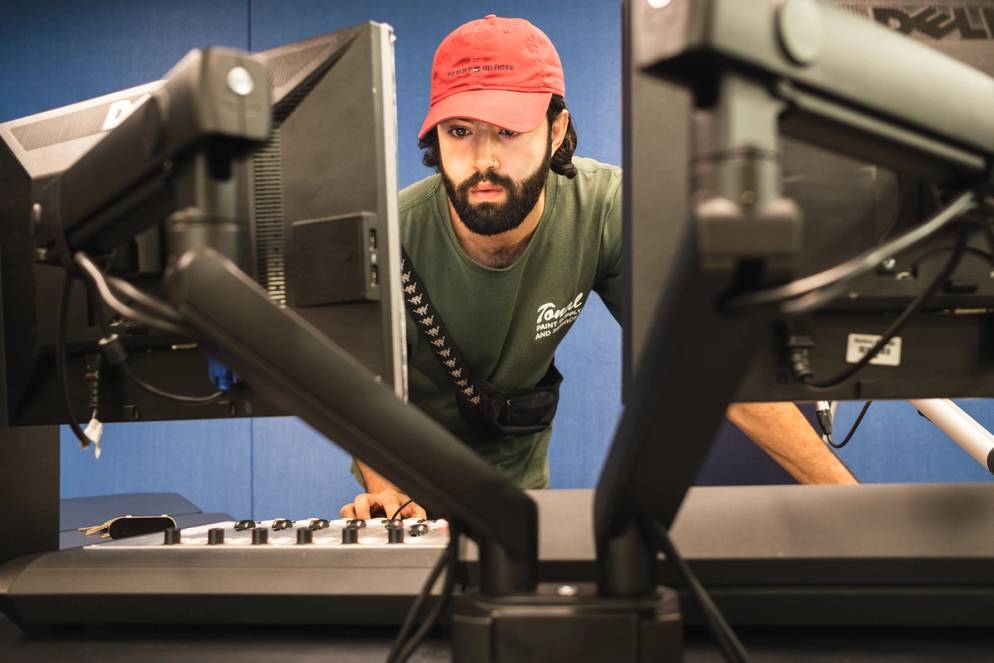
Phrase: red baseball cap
(503,71)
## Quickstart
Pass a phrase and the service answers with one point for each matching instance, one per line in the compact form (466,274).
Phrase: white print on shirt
(551,318)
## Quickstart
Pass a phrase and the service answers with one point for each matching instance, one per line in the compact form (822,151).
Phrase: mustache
(486,177)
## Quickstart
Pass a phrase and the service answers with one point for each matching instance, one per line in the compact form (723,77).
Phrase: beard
(497,218)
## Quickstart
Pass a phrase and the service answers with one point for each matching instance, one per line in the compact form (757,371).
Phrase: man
(508,253)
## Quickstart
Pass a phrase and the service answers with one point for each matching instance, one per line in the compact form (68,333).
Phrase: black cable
(401,508)
(731,647)
(986,255)
(845,271)
(901,319)
(412,614)
(179,398)
(168,320)
(154,304)
(862,413)
(61,359)
(452,557)
(99,281)
(989,234)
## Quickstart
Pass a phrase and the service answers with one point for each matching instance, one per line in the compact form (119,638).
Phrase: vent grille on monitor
(267,180)
(284,67)
(70,126)
(267,175)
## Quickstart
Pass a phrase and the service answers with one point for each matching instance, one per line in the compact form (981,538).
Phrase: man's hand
(388,500)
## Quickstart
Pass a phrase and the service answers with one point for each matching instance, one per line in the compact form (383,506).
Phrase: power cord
(153,318)
(808,293)
(800,346)
(61,359)
(401,508)
(406,642)
(730,645)
(859,419)
(157,314)
(161,393)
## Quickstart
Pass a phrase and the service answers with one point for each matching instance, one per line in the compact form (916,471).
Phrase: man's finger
(347,511)
(362,506)
(414,510)
(390,503)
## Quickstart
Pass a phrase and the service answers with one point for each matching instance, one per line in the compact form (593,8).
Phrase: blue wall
(55,53)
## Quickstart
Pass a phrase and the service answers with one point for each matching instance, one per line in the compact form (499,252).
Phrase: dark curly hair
(561,162)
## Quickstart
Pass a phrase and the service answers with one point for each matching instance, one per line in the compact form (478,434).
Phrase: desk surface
(352,645)
(890,505)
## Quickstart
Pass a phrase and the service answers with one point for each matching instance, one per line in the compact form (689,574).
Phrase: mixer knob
(395,531)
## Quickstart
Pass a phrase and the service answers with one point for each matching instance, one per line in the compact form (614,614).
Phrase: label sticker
(858,344)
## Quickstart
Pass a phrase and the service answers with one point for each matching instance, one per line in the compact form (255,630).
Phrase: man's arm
(785,434)
(381,494)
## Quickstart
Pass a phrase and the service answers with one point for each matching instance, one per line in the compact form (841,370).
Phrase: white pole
(960,427)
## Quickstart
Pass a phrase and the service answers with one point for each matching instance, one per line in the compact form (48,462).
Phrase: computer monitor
(317,213)
(848,204)
(278,224)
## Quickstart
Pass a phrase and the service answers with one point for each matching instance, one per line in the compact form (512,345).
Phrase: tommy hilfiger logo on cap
(480,67)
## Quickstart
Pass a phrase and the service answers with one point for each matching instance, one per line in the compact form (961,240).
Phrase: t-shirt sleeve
(609,283)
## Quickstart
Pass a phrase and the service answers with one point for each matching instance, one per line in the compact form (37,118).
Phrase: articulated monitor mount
(755,70)
(183,145)
(761,67)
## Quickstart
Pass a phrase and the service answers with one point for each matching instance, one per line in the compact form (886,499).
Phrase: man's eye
(458,132)
(507,133)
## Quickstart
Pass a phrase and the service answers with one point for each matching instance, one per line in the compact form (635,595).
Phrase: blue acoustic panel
(587,38)
(57,53)
(735,460)
(894,444)
(590,398)
(207,462)
(298,473)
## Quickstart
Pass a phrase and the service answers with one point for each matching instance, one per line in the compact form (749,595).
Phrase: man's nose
(486,155)
(484,164)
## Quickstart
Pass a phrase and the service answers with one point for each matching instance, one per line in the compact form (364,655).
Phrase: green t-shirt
(508,322)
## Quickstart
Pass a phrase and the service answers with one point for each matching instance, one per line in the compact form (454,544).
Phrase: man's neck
(497,251)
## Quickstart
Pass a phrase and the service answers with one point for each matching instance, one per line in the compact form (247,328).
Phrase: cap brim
(516,111)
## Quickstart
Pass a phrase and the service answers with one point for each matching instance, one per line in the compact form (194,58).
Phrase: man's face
(493,176)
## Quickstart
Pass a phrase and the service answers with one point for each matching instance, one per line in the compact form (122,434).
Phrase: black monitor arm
(300,370)
(178,148)
(172,160)
(759,68)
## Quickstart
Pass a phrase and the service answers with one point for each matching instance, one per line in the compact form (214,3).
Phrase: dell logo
(120,110)
(938,22)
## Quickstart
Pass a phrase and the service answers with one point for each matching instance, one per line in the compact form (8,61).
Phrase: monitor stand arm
(961,428)
(694,360)
(297,368)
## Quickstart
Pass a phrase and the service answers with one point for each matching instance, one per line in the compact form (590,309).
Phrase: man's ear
(559,126)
